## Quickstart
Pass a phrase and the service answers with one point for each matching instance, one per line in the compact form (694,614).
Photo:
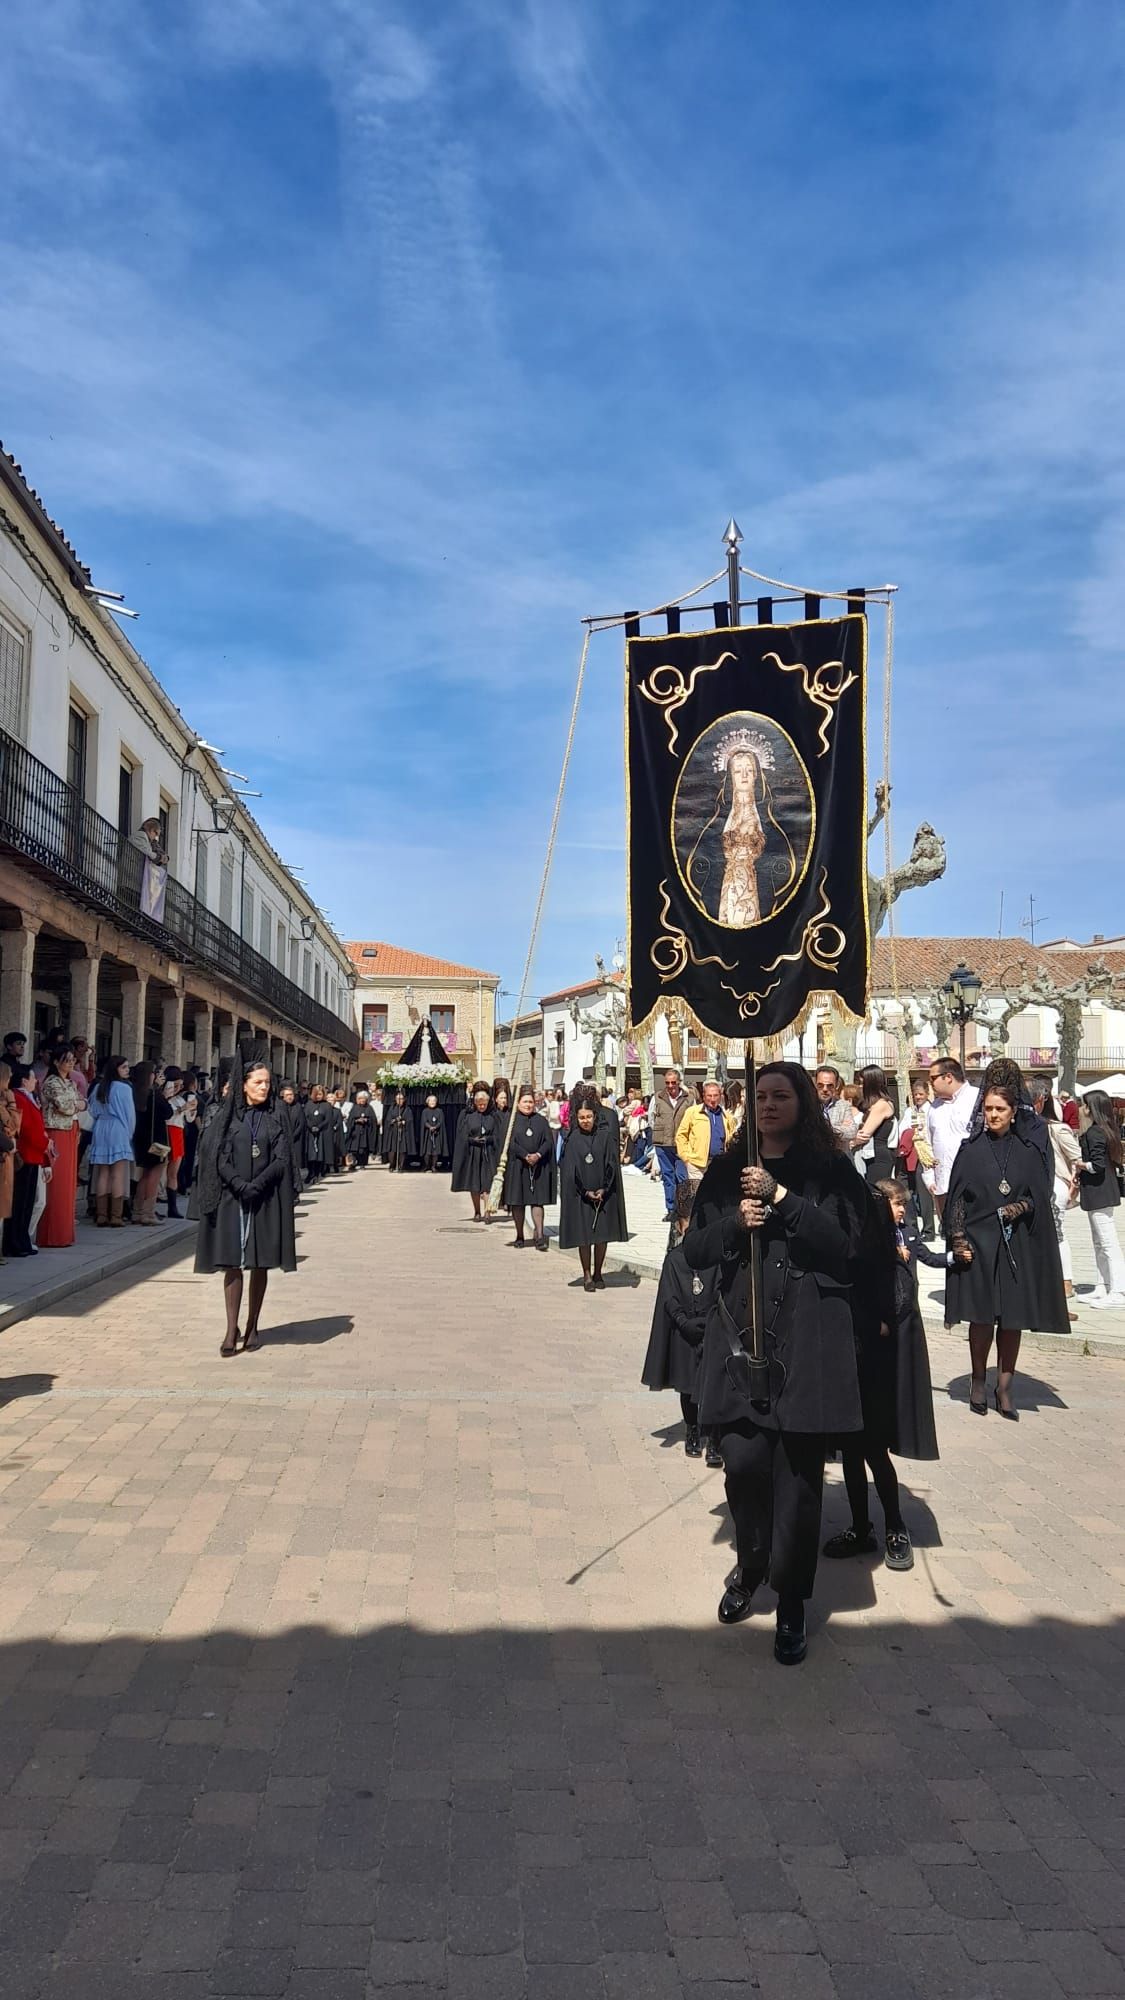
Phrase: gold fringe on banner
(771,1048)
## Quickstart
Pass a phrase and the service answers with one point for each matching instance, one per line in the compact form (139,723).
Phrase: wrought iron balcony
(44,820)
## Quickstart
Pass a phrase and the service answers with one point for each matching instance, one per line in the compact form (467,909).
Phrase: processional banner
(747,826)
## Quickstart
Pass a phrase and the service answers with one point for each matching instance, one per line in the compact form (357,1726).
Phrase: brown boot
(116,1206)
(101,1211)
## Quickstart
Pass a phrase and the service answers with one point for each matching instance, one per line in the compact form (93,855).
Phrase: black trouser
(774,1483)
(17,1228)
(923,1202)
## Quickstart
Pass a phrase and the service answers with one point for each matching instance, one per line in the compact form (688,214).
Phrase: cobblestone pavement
(384,1662)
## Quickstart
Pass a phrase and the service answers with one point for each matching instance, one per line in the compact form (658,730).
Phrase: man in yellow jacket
(703,1132)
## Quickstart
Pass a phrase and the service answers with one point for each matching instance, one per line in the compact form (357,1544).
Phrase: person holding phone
(809,1210)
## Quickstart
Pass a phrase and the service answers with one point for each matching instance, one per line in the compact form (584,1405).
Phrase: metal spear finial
(732,534)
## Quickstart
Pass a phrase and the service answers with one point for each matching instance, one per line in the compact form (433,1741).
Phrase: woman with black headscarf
(244,1194)
(320,1134)
(475,1149)
(398,1133)
(809,1210)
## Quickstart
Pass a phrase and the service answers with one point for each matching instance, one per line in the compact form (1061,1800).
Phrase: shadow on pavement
(566,1811)
(307,1332)
(12,1387)
(1028,1392)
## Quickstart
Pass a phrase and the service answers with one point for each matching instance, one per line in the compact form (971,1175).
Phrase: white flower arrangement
(404,1073)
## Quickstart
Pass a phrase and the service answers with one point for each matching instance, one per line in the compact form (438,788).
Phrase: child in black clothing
(894,1381)
(683,1301)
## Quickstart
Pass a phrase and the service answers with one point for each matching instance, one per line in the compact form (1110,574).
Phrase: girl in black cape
(244,1195)
(1005,1272)
(894,1378)
(592,1211)
(809,1209)
(431,1135)
(475,1150)
(529,1178)
(362,1140)
(320,1141)
(683,1300)
(398,1133)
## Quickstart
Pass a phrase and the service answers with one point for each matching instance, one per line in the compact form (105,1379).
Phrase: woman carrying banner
(809,1209)
(1005,1272)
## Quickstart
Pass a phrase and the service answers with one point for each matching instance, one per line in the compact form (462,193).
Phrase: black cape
(894,1367)
(431,1133)
(590,1161)
(320,1126)
(233,1188)
(475,1151)
(1018,1283)
(526,1186)
(398,1134)
(362,1133)
(293,1119)
(675,1344)
(810,1252)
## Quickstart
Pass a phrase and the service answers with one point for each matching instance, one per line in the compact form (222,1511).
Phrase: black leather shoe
(713,1455)
(851,1543)
(692,1446)
(737,1600)
(791,1641)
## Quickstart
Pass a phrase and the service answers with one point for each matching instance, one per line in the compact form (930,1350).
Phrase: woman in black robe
(398,1133)
(293,1117)
(431,1135)
(362,1140)
(607,1121)
(675,1344)
(1006,1273)
(475,1150)
(320,1139)
(809,1209)
(529,1177)
(244,1195)
(589,1191)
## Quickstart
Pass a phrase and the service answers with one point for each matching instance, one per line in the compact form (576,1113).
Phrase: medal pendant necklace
(1004,1188)
(255,1149)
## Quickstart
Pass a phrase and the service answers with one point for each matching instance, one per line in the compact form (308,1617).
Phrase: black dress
(1015,1278)
(675,1345)
(431,1134)
(398,1136)
(339,1137)
(474,1152)
(362,1139)
(246,1204)
(881,1165)
(293,1119)
(319,1138)
(528,1186)
(151,1129)
(590,1162)
(894,1368)
(1100,1189)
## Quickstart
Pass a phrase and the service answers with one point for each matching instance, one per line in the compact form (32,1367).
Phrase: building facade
(396,990)
(174,962)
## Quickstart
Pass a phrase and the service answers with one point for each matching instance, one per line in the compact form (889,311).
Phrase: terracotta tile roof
(390,961)
(925,963)
(14,476)
(588,986)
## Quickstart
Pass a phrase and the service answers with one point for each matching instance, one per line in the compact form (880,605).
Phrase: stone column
(84,996)
(227,1036)
(172,1028)
(204,1032)
(134,995)
(17,954)
(277,1057)
(288,1061)
(301,1066)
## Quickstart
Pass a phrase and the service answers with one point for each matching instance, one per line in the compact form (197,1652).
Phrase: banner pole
(759,1366)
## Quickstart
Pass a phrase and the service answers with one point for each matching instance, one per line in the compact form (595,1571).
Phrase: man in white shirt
(950,1116)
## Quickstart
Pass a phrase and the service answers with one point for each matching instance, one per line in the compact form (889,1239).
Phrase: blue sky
(368,347)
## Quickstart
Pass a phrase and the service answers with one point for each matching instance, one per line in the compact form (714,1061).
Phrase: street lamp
(961,993)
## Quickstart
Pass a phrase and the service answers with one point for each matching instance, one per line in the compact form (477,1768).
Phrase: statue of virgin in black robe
(398,1133)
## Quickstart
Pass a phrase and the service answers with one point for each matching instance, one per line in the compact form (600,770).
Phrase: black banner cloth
(747,825)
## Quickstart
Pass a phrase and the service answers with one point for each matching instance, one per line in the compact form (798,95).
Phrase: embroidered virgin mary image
(742,821)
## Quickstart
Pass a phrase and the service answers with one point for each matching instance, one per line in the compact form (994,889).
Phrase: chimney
(1098,937)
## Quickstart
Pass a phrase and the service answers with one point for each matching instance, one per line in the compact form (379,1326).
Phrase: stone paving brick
(296,1698)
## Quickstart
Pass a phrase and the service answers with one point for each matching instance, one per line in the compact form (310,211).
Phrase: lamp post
(961,993)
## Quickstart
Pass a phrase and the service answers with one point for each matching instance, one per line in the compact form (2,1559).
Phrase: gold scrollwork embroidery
(822,942)
(673,951)
(820,691)
(668,689)
(750,1004)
